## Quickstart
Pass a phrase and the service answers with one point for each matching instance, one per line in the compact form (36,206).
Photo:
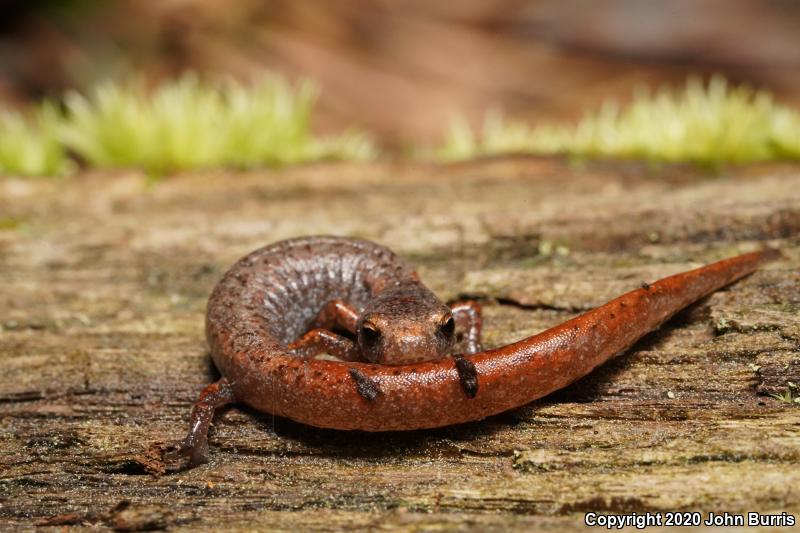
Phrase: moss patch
(709,124)
(185,124)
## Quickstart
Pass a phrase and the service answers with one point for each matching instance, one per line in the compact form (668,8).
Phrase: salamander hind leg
(195,445)
(469,318)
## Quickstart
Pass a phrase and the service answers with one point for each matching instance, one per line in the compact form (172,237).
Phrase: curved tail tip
(770,254)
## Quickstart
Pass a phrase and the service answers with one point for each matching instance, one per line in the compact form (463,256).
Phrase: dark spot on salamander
(365,386)
(645,286)
(468,375)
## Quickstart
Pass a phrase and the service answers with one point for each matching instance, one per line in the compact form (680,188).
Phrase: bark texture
(103,285)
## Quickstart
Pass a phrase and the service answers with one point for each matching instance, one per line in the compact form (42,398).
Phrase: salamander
(389,341)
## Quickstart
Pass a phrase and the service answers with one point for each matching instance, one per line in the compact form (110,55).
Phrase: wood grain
(103,283)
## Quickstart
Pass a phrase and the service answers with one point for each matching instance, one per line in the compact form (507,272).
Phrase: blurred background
(403,69)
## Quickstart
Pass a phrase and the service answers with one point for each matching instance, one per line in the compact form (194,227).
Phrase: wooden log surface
(103,285)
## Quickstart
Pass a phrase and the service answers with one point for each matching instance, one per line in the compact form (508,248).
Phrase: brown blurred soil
(402,70)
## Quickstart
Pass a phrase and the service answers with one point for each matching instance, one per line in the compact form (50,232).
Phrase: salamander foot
(195,445)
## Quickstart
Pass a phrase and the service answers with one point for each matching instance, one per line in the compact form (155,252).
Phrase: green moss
(184,124)
(194,124)
(191,124)
(706,124)
(786,397)
(29,143)
(9,223)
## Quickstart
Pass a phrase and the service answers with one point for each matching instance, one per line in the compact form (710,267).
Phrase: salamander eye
(448,328)
(370,333)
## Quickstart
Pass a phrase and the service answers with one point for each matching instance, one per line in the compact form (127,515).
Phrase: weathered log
(103,284)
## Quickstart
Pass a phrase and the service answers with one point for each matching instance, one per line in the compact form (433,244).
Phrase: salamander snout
(409,326)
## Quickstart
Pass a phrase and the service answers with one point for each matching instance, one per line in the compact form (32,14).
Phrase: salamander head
(406,324)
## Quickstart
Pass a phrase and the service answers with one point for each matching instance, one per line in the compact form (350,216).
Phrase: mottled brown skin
(272,312)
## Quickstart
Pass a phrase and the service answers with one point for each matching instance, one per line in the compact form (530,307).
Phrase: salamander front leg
(195,445)
(319,341)
(468,318)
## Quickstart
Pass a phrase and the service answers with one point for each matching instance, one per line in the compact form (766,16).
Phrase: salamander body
(279,307)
